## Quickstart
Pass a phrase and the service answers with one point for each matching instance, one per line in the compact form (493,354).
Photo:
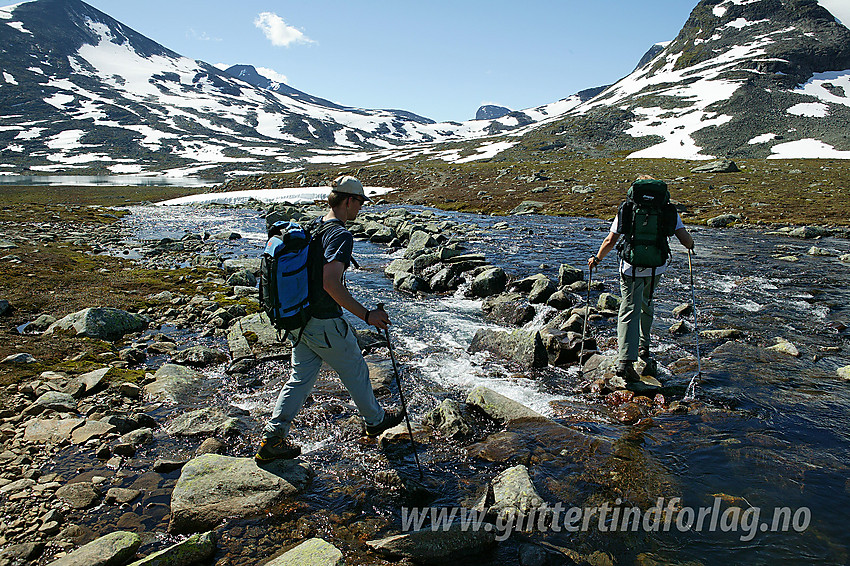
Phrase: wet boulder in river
(311,552)
(568,274)
(213,487)
(115,548)
(490,282)
(521,346)
(508,308)
(439,546)
(500,408)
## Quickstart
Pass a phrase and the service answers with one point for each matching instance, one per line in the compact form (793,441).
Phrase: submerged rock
(500,408)
(436,547)
(785,347)
(212,488)
(103,323)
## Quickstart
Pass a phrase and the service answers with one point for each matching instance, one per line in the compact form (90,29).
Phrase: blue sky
(438,59)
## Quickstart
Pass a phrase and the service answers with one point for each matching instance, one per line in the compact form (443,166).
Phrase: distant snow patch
(69,139)
(719,11)
(19,26)
(764,138)
(6,11)
(809,110)
(832,87)
(487,150)
(741,23)
(9,78)
(125,168)
(807,149)
(36,70)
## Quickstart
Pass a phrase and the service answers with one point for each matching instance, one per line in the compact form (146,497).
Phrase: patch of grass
(792,192)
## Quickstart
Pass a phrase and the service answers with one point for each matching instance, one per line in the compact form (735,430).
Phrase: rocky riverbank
(111,363)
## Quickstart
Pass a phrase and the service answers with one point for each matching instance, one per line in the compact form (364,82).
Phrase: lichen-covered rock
(195,549)
(104,323)
(448,419)
(521,346)
(311,552)
(213,487)
(499,407)
(113,549)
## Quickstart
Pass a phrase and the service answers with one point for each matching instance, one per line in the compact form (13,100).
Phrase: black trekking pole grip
(401,397)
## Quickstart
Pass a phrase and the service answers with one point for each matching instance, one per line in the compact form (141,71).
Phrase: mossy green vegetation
(781,192)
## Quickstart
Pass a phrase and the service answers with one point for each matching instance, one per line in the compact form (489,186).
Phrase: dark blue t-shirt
(337,244)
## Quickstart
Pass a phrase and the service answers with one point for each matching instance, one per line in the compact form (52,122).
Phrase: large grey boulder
(448,419)
(103,323)
(490,282)
(512,493)
(207,421)
(441,546)
(311,552)
(195,549)
(719,166)
(244,278)
(419,241)
(254,336)
(568,275)
(59,402)
(79,495)
(500,408)
(113,549)
(175,384)
(213,487)
(722,221)
(231,266)
(198,356)
(51,431)
(521,346)
(529,207)
(508,308)
(400,265)
(541,290)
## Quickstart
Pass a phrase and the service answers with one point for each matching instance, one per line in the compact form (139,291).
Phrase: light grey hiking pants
(331,340)
(635,319)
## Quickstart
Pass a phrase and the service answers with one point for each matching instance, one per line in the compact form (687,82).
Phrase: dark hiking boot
(392,417)
(626,370)
(650,366)
(276,448)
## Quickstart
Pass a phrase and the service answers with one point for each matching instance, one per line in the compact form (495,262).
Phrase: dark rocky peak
(63,26)
(791,38)
(491,112)
(249,74)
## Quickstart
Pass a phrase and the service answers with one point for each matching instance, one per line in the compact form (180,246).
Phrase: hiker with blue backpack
(313,321)
(645,220)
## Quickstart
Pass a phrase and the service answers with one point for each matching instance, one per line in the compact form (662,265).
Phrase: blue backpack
(286,276)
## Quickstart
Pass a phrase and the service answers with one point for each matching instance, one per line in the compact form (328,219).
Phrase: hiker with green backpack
(319,333)
(645,220)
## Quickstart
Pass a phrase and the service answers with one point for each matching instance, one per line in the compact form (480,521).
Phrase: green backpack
(646,219)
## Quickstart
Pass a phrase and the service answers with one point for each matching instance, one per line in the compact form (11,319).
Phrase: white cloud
(271,74)
(278,32)
(200,36)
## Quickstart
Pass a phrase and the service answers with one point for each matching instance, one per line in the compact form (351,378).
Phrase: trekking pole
(691,391)
(584,326)
(401,397)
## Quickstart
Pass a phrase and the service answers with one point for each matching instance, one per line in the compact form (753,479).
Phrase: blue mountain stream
(766,430)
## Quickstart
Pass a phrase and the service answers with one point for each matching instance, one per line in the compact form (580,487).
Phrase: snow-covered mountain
(744,78)
(82,92)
